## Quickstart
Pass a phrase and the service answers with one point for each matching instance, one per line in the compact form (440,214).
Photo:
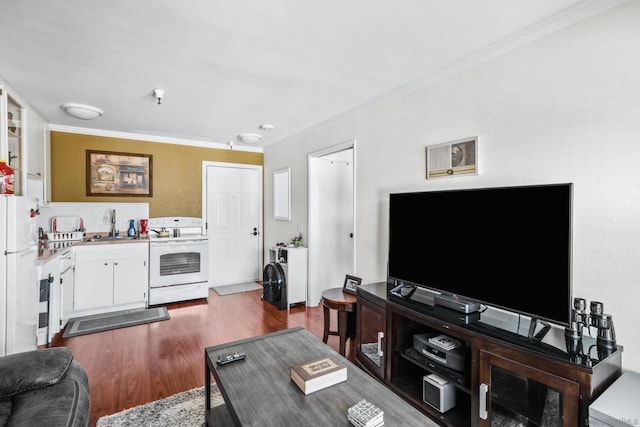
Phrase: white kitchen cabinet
(110,277)
(130,282)
(36,142)
(12,135)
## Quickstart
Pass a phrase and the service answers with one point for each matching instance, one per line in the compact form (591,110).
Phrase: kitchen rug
(236,288)
(115,320)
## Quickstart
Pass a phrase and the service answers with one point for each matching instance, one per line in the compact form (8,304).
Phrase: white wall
(565,108)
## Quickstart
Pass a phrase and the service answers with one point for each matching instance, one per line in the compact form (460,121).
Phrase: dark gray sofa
(43,387)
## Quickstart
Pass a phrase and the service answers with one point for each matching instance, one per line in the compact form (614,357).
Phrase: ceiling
(229,66)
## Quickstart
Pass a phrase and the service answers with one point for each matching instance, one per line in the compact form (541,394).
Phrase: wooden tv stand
(506,375)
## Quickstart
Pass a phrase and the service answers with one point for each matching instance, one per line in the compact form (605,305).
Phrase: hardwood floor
(131,366)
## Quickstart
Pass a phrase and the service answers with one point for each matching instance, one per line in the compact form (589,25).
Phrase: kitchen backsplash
(95,216)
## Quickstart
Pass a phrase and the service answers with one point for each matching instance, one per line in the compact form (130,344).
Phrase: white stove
(178,228)
(178,263)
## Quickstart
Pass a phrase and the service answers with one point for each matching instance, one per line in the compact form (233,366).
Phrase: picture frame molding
(282,194)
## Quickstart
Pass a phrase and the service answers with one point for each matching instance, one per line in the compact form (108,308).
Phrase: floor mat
(119,319)
(236,288)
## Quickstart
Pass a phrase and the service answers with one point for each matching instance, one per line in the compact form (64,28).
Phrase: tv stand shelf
(504,362)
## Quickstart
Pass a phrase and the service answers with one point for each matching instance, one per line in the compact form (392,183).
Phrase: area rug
(182,409)
(236,288)
(118,319)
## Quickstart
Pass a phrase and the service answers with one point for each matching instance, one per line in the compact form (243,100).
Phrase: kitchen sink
(108,239)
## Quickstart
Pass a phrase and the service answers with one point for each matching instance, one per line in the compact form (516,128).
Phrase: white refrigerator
(19,287)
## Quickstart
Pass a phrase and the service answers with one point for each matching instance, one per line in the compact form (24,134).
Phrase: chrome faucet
(113,223)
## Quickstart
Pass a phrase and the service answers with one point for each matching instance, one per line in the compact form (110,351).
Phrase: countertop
(48,250)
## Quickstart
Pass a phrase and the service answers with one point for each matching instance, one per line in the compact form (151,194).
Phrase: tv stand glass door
(514,393)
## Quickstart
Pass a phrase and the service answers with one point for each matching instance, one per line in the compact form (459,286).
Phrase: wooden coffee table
(258,391)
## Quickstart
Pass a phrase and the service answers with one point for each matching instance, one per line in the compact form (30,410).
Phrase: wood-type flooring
(135,365)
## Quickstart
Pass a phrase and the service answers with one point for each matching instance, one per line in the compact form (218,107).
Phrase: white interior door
(331,220)
(233,211)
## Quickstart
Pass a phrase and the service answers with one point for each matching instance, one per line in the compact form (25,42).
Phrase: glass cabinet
(12,136)
(514,394)
(371,333)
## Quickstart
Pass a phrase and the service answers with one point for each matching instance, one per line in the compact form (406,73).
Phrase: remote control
(231,357)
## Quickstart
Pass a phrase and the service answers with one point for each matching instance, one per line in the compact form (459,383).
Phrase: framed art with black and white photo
(351,284)
(453,158)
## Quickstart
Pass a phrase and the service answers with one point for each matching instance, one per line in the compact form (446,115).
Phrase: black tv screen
(508,247)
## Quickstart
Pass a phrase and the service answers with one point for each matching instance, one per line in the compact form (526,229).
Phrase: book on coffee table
(316,374)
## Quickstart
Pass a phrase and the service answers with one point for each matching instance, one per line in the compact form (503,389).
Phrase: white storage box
(618,405)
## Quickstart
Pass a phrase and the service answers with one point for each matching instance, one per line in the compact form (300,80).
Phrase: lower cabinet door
(371,336)
(94,285)
(512,393)
(130,281)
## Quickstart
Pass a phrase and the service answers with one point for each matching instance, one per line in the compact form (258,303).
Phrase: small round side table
(345,305)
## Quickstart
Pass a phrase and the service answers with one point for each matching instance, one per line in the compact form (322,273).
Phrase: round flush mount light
(249,138)
(81,111)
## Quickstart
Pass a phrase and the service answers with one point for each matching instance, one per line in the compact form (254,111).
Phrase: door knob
(255,231)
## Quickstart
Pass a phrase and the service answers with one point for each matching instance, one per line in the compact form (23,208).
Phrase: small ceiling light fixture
(158,93)
(266,126)
(249,138)
(81,111)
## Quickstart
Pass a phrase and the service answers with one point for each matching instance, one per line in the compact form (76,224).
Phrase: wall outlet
(105,218)
(299,228)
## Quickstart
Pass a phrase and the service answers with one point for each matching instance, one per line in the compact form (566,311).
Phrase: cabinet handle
(484,388)
(380,337)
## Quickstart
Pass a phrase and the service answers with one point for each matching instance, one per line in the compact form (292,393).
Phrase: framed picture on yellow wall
(111,173)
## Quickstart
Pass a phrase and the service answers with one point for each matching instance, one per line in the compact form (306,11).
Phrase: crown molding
(151,138)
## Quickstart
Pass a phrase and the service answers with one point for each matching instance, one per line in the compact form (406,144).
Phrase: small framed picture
(351,283)
(453,158)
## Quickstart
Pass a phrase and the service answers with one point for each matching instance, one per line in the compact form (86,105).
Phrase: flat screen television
(507,247)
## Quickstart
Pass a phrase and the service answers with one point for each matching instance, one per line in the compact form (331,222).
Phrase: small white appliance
(19,287)
(438,392)
(617,405)
(178,260)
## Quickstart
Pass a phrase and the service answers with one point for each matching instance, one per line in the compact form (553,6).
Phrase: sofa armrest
(33,369)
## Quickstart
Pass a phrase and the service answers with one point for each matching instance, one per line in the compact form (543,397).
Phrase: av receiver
(442,349)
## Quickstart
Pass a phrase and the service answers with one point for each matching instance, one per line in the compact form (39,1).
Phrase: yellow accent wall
(176,174)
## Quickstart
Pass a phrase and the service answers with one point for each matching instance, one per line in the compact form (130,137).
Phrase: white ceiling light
(249,138)
(81,111)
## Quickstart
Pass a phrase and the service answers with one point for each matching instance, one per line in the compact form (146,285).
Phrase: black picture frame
(351,284)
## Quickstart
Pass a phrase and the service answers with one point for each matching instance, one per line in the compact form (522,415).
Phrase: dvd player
(453,355)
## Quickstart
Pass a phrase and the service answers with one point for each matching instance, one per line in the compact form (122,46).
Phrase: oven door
(178,262)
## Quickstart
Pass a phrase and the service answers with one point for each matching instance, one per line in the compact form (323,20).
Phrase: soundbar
(455,303)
